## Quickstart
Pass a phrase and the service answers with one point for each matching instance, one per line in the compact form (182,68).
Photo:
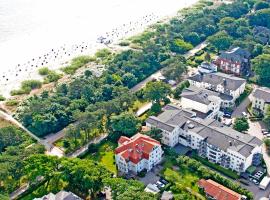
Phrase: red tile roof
(218,191)
(136,148)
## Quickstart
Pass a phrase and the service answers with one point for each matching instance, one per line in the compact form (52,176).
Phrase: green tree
(126,123)
(180,46)
(261,5)
(266,118)
(241,124)
(156,91)
(220,40)
(261,67)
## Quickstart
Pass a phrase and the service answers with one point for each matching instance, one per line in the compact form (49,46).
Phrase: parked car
(244,114)
(162,180)
(265,132)
(255,182)
(160,185)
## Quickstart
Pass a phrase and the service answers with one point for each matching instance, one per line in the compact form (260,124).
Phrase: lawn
(105,155)
(183,181)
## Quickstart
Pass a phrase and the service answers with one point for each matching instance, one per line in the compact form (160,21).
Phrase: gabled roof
(229,82)
(170,118)
(262,93)
(236,55)
(136,148)
(218,191)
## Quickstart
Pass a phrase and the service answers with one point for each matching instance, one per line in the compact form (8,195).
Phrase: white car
(244,114)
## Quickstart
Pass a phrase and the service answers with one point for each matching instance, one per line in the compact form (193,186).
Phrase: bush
(43,71)
(142,173)
(76,63)
(2,98)
(222,170)
(103,53)
(26,87)
(52,77)
(124,43)
(12,103)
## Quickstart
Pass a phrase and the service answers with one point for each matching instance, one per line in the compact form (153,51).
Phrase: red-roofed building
(137,153)
(216,191)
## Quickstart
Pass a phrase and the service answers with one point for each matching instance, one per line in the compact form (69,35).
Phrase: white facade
(220,88)
(214,105)
(127,161)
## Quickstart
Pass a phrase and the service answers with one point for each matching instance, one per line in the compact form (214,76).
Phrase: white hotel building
(137,153)
(218,143)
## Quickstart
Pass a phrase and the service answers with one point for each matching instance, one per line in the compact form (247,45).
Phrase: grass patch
(4,123)
(26,87)
(76,63)
(222,170)
(105,155)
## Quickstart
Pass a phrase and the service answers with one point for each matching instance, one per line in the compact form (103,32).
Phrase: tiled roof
(136,148)
(218,191)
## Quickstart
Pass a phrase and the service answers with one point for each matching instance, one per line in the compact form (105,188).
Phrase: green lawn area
(183,181)
(105,155)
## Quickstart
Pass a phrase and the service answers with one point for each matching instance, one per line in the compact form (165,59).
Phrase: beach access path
(158,73)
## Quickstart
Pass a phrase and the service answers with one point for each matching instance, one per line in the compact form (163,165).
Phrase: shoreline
(57,58)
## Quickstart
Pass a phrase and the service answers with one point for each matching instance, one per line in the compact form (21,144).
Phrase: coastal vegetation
(76,63)
(27,86)
(49,75)
(15,147)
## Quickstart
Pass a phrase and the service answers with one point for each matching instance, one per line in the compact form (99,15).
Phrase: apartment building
(261,100)
(229,86)
(234,61)
(219,144)
(137,153)
(204,102)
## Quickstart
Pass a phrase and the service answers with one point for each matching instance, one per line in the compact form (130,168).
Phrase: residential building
(234,61)
(262,34)
(230,86)
(216,191)
(62,195)
(219,144)
(206,68)
(137,153)
(204,102)
(261,100)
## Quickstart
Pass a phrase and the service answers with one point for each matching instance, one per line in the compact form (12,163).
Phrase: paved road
(158,73)
(242,107)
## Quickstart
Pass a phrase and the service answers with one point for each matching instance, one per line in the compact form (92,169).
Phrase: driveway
(242,107)
(152,176)
(258,193)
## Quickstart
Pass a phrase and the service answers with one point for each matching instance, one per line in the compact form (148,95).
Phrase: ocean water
(31,28)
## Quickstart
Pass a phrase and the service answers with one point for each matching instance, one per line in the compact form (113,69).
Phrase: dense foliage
(15,147)
(241,124)
(83,177)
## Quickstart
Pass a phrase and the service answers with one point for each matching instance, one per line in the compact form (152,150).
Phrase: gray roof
(229,82)
(221,136)
(236,54)
(62,195)
(203,96)
(262,93)
(214,132)
(170,118)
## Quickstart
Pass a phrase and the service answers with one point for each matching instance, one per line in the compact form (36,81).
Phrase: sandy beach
(53,44)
